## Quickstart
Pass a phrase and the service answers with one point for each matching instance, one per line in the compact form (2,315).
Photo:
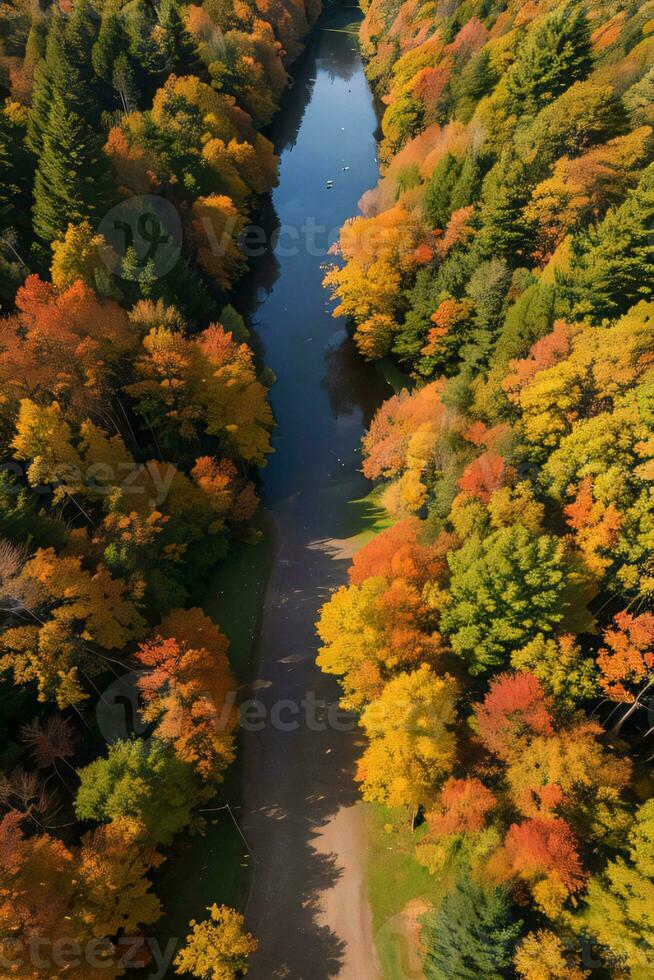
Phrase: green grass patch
(394,879)
(393,374)
(235,594)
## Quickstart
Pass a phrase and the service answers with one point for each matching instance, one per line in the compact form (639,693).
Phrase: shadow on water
(292,779)
(296,780)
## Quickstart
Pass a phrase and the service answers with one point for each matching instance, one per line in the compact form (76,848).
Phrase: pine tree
(557,53)
(72,182)
(438,207)
(471,935)
(476,80)
(612,264)
(50,74)
(178,47)
(468,183)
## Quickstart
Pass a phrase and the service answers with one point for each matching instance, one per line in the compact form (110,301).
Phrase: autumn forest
(409,471)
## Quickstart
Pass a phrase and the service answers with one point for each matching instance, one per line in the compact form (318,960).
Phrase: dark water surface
(295,781)
(288,785)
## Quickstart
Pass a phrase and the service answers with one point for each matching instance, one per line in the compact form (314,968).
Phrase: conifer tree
(557,54)
(72,182)
(471,935)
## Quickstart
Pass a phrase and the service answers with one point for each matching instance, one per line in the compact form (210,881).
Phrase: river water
(308,905)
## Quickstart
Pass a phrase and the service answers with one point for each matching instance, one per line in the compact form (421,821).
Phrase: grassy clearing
(235,593)
(394,880)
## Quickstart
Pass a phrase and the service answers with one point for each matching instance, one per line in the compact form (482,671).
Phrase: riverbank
(308,902)
(301,875)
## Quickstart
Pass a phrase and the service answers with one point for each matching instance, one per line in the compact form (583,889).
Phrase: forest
(497,637)
(134,417)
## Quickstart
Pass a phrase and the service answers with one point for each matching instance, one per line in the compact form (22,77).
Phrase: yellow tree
(542,956)
(412,746)
(217,948)
(72,619)
(372,630)
(114,892)
(43,437)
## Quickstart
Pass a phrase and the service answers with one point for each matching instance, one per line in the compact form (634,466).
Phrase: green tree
(505,192)
(475,81)
(505,589)
(49,76)
(72,182)
(612,263)
(558,52)
(471,935)
(620,902)
(177,45)
(145,781)
(438,207)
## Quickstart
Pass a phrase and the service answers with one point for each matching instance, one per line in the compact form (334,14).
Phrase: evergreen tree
(557,53)
(178,47)
(612,264)
(476,80)
(110,42)
(80,37)
(16,172)
(438,207)
(472,935)
(72,182)
(466,189)
(506,190)
(50,75)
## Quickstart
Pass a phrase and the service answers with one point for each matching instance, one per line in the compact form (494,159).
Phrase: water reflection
(349,387)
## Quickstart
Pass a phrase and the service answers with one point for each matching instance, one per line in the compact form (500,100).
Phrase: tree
(543,956)
(570,773)
(566,675)
(68,347)
(462,807)
(471,934)
(437,204)
(217,948)
(187,691)
(412,745)
(627,660)
(373,630)
(610,262)
(76,257)
(402,551)
(505,589)
(557,53)
(111,873)
(543,854)
(70,621)
(620,901)
(43,438)
(386,444)
(143,782)
(217,225)
(72,181)
(512,713)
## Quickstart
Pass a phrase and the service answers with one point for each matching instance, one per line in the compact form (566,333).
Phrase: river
(292,791)
(308,904)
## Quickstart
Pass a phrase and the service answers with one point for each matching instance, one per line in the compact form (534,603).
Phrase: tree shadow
(297,770)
